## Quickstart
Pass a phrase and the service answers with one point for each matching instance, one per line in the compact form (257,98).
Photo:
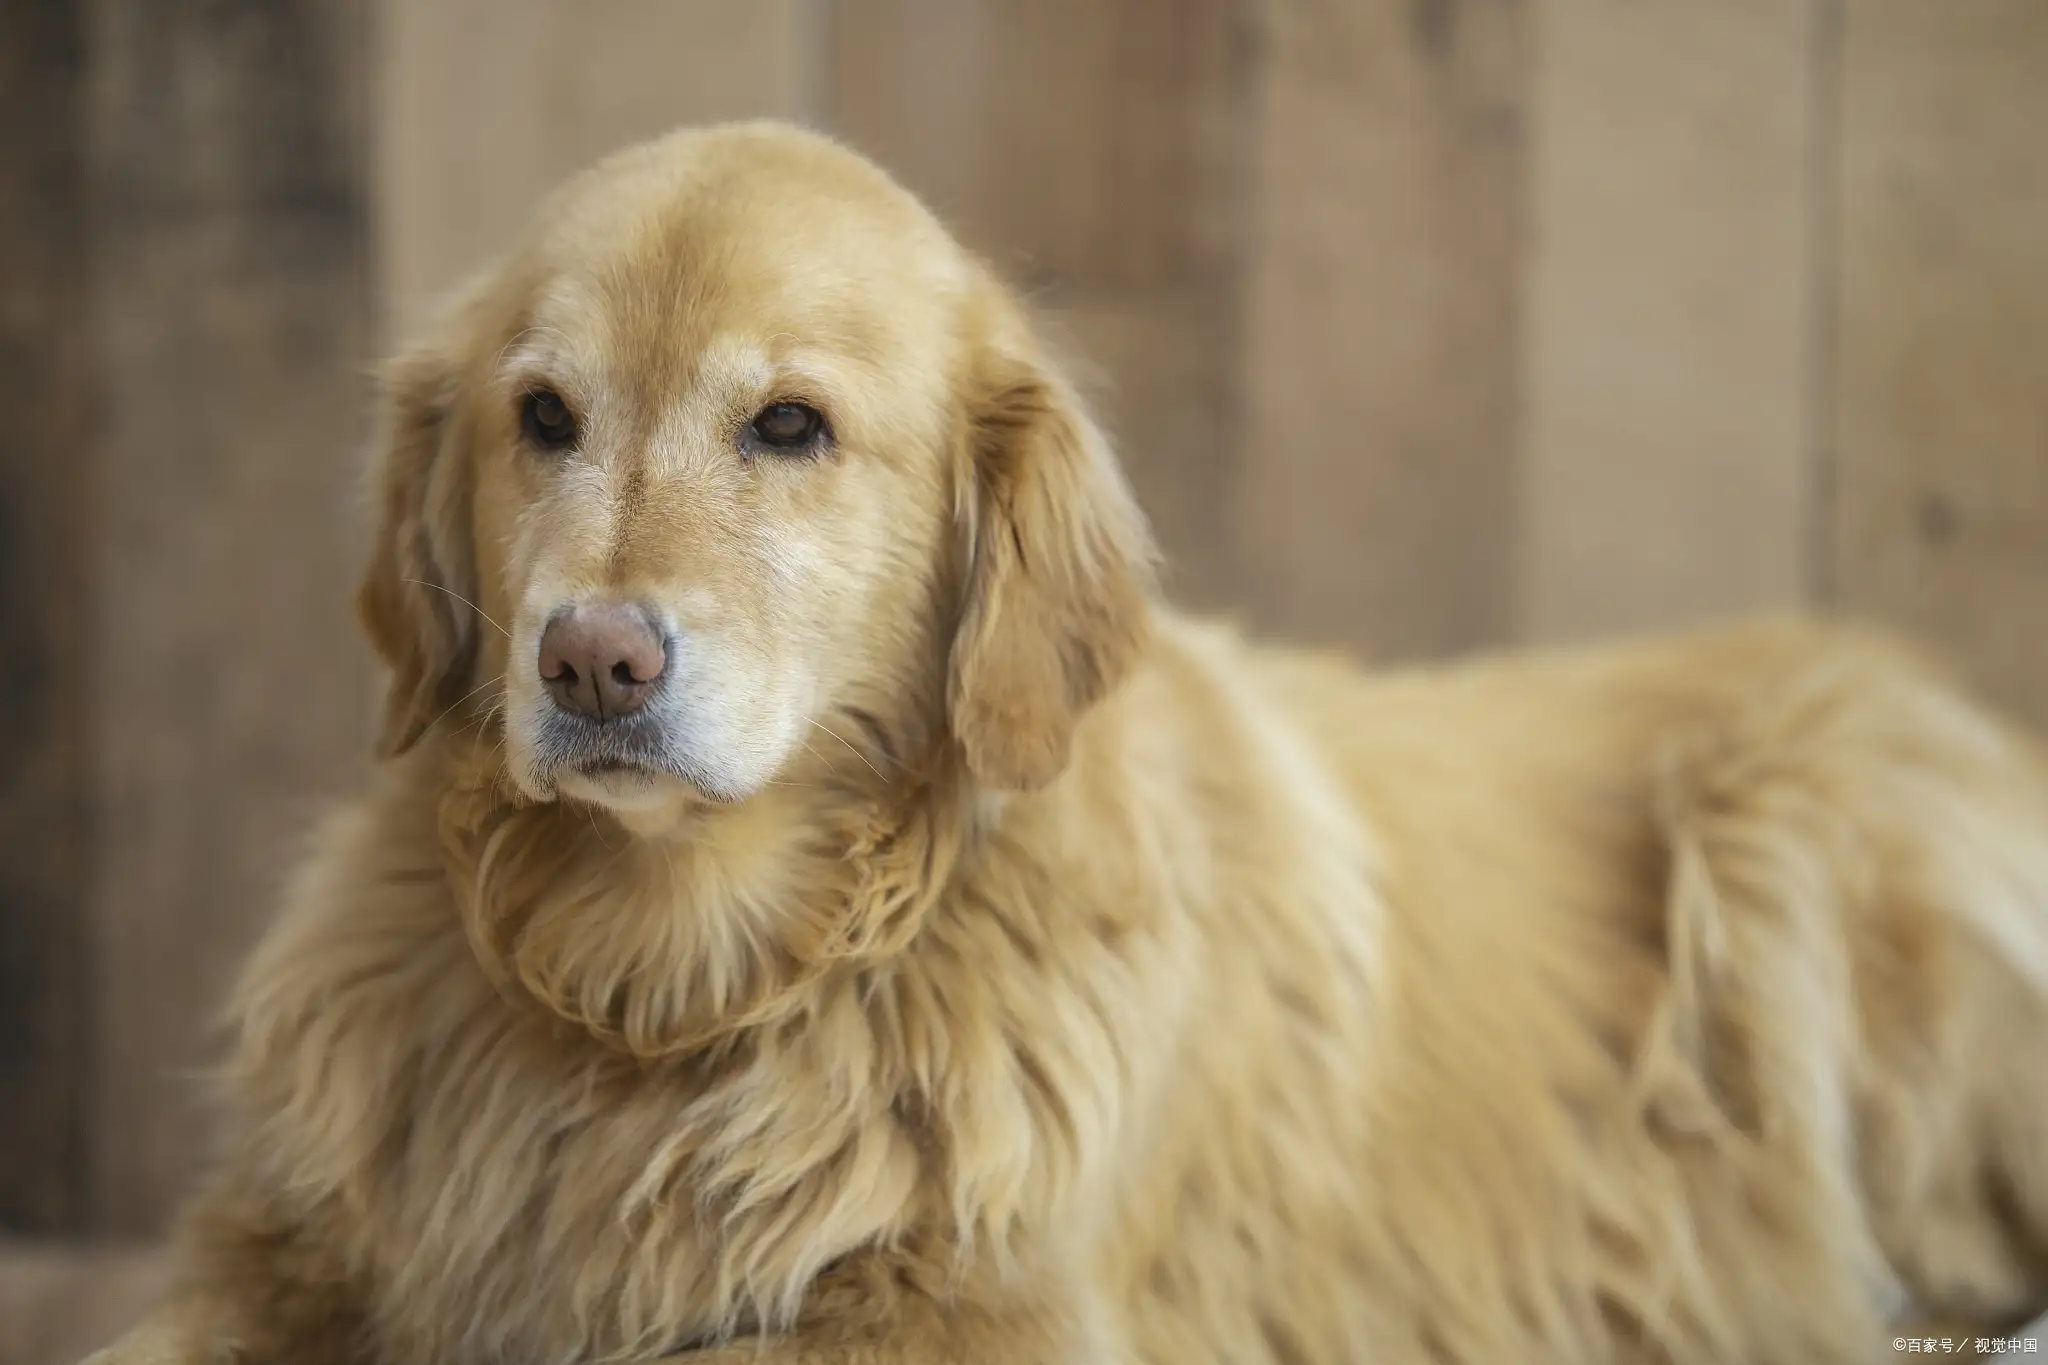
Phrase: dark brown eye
(788,426)
(547,421)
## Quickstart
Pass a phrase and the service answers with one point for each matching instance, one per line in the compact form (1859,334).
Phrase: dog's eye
(547,420)
(788,426)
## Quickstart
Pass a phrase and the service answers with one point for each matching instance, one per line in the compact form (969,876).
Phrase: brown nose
(601,661)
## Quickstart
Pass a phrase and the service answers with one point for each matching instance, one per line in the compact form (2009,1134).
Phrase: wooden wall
(1424,325)
(1671,271)
(45,1023)
(1935,316)
(184,326)
(228,690)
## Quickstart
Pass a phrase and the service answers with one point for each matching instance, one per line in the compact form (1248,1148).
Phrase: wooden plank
(1940,515)
(1667,466)
(227,691)
(45,997)
(485,105)
(1376,492)
(1098,155)
(1077,142)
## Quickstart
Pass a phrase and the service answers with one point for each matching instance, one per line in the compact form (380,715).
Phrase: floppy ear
(412,596)
(1060,566)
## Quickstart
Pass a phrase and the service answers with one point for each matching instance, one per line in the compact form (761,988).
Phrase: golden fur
(1019,972)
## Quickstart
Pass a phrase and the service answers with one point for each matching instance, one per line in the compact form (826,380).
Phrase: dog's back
(1710,972)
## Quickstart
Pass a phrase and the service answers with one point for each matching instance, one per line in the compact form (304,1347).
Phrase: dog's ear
(414,597)
(1059,582)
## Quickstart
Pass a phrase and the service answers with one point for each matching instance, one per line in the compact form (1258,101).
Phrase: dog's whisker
(849,748)
(463,698)
(422,583)
(591,815)
(479,723)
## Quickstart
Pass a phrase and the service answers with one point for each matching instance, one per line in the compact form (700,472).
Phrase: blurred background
(1423,325)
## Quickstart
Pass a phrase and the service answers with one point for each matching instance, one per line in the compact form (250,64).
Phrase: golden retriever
(822,906)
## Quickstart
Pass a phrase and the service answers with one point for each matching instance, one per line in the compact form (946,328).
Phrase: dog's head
(739,440)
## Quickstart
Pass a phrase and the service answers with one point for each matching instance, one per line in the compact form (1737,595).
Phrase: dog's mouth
(640,763)
(632,746)
(621,771)
(622,767)
(606,763)
(616,768)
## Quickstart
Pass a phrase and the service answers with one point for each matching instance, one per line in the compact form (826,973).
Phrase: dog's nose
(601,661)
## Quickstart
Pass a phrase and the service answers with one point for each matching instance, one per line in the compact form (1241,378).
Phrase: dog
(821,905)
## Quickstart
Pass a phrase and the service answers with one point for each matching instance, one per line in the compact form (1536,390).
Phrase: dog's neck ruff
(662,950)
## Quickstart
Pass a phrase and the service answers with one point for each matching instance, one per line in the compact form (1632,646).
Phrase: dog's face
(737,443)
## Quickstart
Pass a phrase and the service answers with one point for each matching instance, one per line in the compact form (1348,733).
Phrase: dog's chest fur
(502,1189)
(503,1185)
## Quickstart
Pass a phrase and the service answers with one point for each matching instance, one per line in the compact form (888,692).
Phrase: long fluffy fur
(1187,1001)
